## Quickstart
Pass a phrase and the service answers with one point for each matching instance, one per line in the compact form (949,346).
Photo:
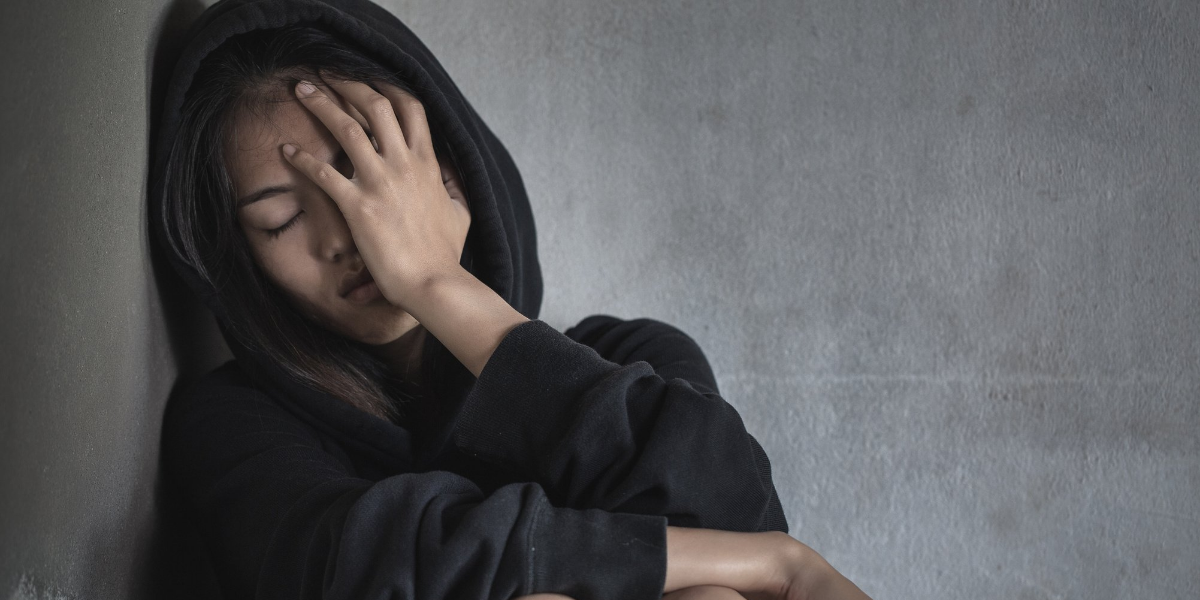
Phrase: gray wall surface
(943,257)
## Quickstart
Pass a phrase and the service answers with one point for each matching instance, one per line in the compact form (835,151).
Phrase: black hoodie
(556,471)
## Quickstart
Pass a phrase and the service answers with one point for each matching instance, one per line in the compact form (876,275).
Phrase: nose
(335,243)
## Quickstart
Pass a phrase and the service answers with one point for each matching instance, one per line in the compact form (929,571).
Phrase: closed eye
(341,162)
(274,233)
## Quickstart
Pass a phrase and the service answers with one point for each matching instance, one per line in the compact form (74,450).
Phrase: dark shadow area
(178,564)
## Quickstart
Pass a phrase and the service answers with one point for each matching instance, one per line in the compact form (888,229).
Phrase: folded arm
(285,519)
(595,433)
(592,432)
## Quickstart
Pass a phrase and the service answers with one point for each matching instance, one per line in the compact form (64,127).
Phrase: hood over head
(501,245)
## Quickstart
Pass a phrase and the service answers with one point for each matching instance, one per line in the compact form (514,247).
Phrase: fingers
(411,113)
(353,112)
(349,108)
(320,172)
(377,111)
(345,129)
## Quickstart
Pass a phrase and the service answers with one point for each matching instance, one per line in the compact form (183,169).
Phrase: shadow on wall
(178,565)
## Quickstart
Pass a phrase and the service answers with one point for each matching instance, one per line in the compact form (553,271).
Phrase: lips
(353,280)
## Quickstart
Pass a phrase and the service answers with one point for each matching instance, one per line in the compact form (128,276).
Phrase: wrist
(806,574)
(799,566)
(421,294)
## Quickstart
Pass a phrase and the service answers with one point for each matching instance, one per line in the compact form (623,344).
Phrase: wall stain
(29,588)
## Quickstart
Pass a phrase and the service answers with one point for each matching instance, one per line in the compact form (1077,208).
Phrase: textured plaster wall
(87,360)
(943,257)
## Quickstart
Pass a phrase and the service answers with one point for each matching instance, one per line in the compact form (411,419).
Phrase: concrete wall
(89,356)
(943,257)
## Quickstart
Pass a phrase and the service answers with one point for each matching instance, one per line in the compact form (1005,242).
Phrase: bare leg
(704,592)
(697,592)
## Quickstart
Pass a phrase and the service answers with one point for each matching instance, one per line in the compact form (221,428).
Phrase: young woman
(397,422)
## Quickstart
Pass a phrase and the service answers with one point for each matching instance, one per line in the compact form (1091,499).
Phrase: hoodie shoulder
(227,384)
(228,375)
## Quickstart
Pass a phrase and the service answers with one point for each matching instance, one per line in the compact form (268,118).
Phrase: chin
(378,338)
(385,335)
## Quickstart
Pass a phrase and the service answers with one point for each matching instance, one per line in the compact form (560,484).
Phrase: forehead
(265,125)
(258,129)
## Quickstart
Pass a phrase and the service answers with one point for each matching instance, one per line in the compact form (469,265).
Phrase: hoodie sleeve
(640,429)
(284,518)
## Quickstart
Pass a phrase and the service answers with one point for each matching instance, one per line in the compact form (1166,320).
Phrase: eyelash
(274,233)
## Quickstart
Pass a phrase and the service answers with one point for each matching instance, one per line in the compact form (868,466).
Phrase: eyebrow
(263,193)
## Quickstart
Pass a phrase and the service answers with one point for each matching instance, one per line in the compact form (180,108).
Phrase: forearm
(741,561)
(768,564)
(469,318)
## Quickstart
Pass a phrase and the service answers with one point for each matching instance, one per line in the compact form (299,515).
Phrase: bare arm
(465,315)
(711,563)
(762,566)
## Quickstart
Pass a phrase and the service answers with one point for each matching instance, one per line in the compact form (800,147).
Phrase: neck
(404,353)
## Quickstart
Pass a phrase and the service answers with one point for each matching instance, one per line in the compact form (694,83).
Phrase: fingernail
(305,88)
(289,150)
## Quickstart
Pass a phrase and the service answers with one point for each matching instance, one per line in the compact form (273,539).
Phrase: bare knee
(704,592)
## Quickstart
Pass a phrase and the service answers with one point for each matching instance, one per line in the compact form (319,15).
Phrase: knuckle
(380,107)
(351,130)
(404,162)
(324,173)
(371,211)
(411,103)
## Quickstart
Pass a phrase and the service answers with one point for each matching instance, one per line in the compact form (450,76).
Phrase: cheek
(288,267)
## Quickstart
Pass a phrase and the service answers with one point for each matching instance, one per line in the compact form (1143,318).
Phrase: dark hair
(246,73)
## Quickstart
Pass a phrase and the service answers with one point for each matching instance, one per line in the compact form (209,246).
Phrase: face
(298,236)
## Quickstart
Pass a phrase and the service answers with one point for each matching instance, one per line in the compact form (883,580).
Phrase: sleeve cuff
(591,554)
(526,392)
